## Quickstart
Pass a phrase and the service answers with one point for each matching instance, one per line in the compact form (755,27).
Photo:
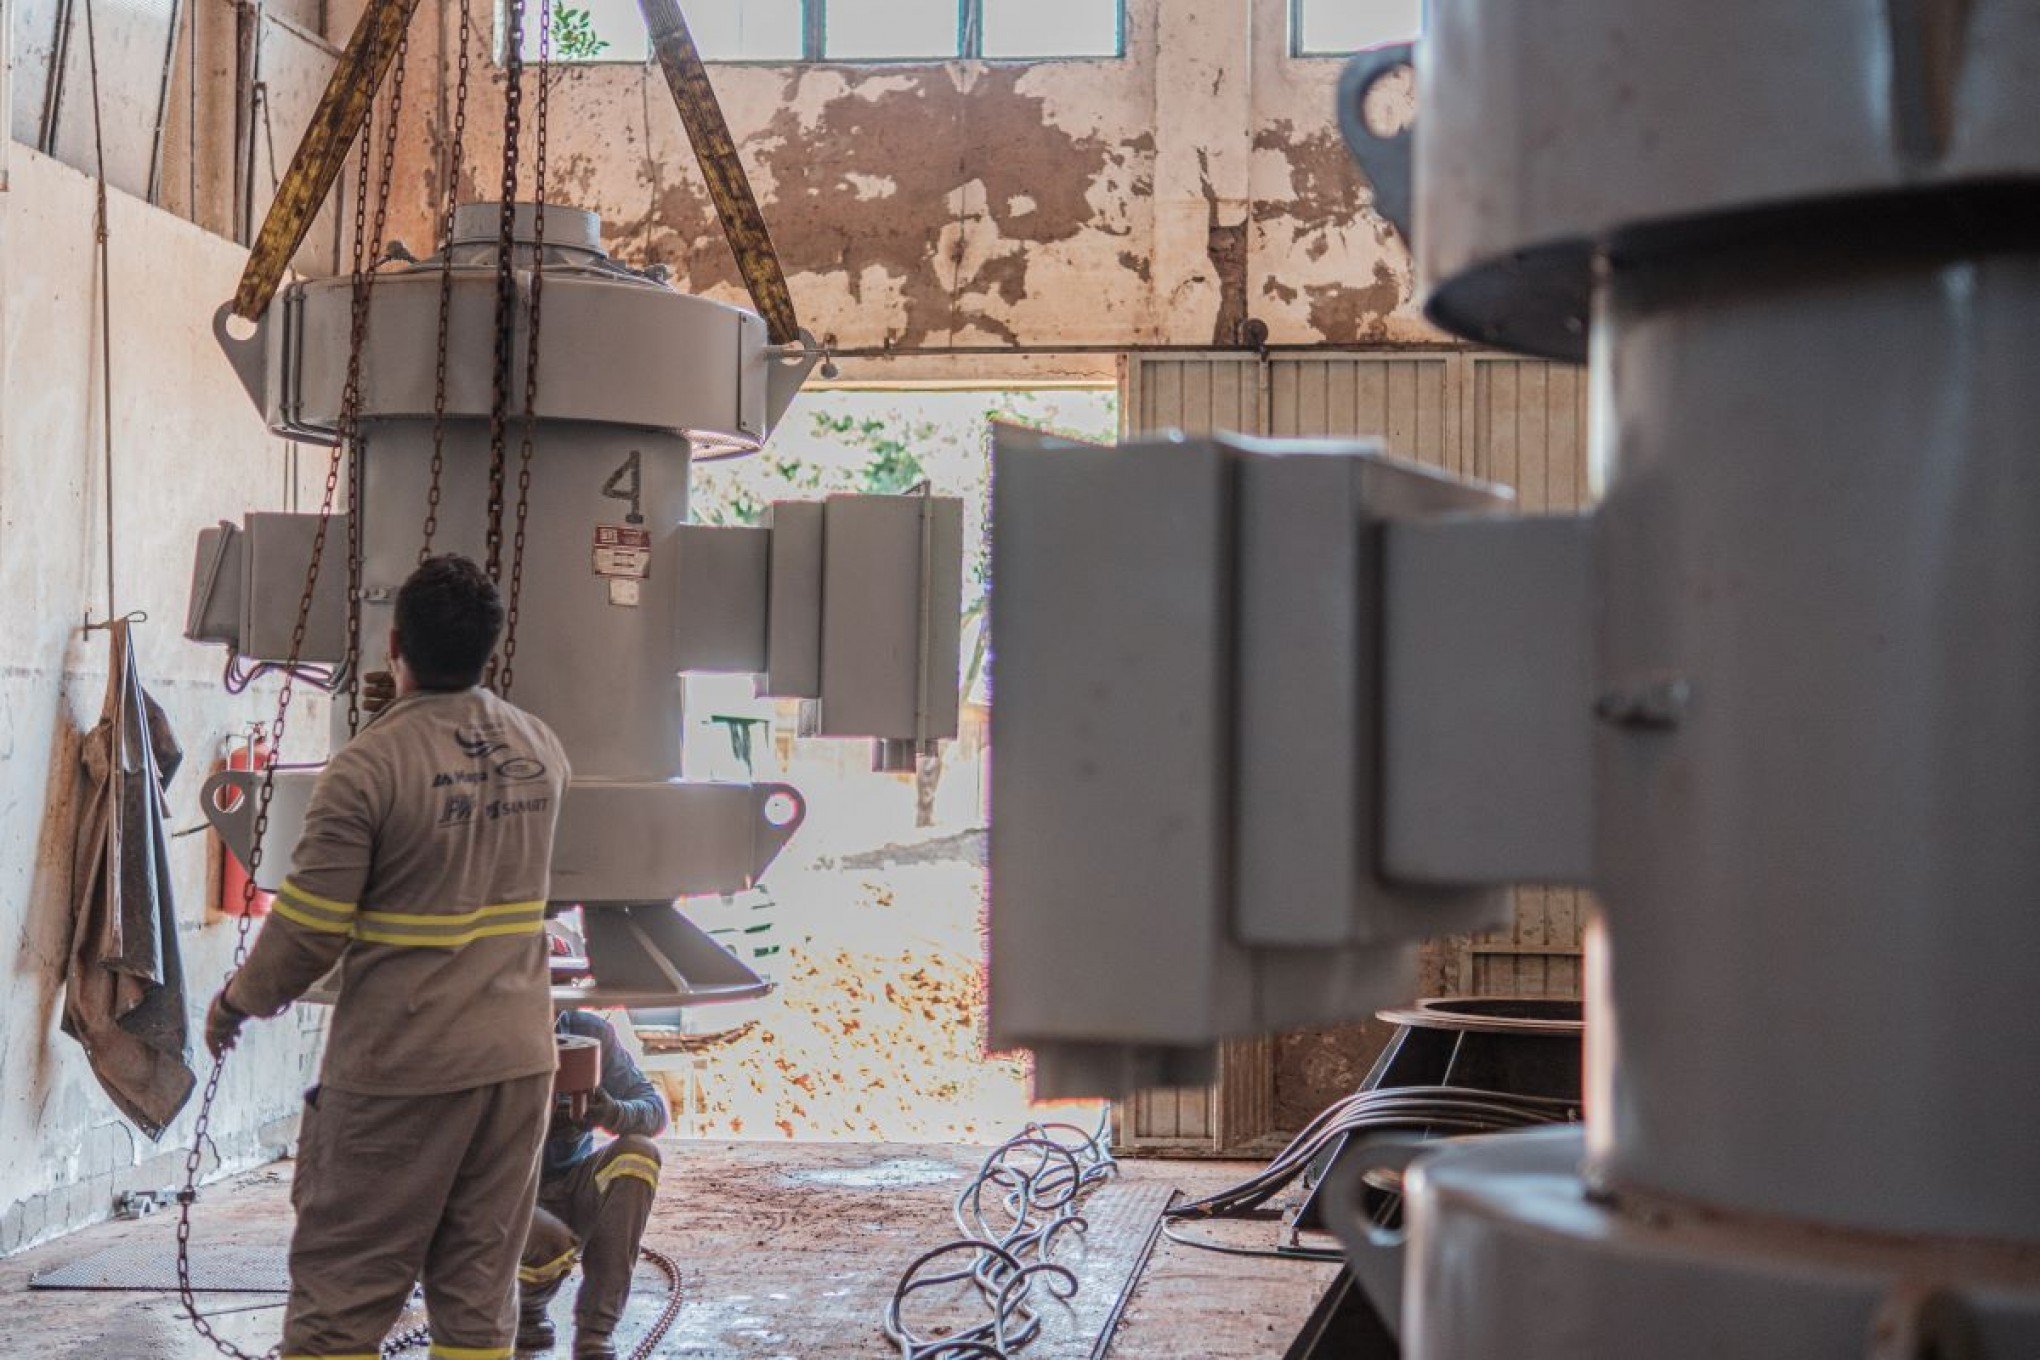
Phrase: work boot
(589,1345)
(534,1328)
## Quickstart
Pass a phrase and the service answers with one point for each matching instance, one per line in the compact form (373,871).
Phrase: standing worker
(592,1203)
(423,871)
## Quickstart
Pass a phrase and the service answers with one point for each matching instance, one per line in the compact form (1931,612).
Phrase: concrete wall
(188,449)
(1163,199)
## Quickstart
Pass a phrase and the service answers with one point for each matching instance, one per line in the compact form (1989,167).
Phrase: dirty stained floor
(788,1250)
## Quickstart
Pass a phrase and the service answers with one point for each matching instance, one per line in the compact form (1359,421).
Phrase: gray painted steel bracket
(1190,701)
(855,602)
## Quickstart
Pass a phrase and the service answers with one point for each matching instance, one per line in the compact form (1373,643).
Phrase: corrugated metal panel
(199,164)
(1527,428)
(135,38)
(1407,400)
(34,28)
(1235,1117)
(1198,394)
(295,69)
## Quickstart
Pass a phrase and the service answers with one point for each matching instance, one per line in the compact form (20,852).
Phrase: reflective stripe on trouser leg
(550,1250)
(471,1269)
(624,1183)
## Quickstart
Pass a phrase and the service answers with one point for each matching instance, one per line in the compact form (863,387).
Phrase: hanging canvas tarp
(124,995)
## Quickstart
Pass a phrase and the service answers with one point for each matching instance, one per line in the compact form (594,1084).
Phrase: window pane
(745,30)
(590,30)
(874,30)
(1349,25)
(1051,28)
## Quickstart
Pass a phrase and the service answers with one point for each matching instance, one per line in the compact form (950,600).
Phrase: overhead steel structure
(1789,734)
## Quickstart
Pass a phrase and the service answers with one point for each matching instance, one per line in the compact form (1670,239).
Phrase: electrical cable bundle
(1431,1111)
(241,673)
(1038,1180)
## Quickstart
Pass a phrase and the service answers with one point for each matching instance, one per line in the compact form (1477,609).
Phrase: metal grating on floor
(151,1266)
(1106,1257)
(1122,1220)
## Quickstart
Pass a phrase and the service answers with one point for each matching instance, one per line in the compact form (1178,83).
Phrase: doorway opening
(871,923)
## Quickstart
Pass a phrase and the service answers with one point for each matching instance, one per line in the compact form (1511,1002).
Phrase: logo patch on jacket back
(485,742)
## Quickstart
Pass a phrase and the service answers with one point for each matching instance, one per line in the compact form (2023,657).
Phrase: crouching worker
(422,872)
(592,1201)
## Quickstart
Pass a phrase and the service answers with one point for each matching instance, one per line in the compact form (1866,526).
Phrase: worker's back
(444,983)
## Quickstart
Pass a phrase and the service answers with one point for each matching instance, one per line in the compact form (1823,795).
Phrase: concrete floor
(789,1250)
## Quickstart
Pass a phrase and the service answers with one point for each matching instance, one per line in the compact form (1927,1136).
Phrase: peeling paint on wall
(961,204)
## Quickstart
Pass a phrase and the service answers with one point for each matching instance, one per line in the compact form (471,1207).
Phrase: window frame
(814,35)
(1298,50)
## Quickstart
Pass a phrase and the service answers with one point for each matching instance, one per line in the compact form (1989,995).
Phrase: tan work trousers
(595,1210)
(391,1190)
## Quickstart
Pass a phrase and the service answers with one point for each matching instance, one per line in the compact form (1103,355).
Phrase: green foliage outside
(573,34)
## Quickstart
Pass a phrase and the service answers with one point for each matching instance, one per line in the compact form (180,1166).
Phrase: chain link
(454,161)
(367,249)
(508,675)
(506,285)
(194,1159)
(367,255)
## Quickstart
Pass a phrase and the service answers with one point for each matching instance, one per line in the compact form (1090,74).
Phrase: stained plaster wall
(188,450)
(1164,199)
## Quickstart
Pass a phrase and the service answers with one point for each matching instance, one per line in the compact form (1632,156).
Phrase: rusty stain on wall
(920,182)
(1226,245)
(987,205)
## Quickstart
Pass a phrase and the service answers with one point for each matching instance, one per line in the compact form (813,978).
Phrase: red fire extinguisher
(249,753)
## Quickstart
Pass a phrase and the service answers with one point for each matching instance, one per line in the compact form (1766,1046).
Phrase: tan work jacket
(423,871)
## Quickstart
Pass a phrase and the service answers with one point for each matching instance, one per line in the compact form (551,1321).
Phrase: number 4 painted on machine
(627,484)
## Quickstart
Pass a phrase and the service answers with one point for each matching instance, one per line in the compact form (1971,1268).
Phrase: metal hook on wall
(132,616)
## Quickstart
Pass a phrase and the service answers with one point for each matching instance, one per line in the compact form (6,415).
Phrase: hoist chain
(509,669)
(367,253)
(367,248)
(506,284)
(454,161)
(194,1159)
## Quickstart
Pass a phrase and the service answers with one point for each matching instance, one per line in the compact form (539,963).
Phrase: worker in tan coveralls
(423,872)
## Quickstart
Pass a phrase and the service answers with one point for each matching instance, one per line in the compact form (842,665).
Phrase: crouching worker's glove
(223,1021)
(603,1110)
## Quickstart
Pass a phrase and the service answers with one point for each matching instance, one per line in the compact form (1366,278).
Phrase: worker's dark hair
(448,619)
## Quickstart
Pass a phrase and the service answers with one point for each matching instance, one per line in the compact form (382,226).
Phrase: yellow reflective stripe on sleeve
(297,916)
(309,899)
(628,1164)
(551,1270)
(450,931)
(439,1352)
(313,911)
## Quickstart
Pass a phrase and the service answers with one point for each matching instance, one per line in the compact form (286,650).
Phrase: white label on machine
(623,590)
(621,551)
